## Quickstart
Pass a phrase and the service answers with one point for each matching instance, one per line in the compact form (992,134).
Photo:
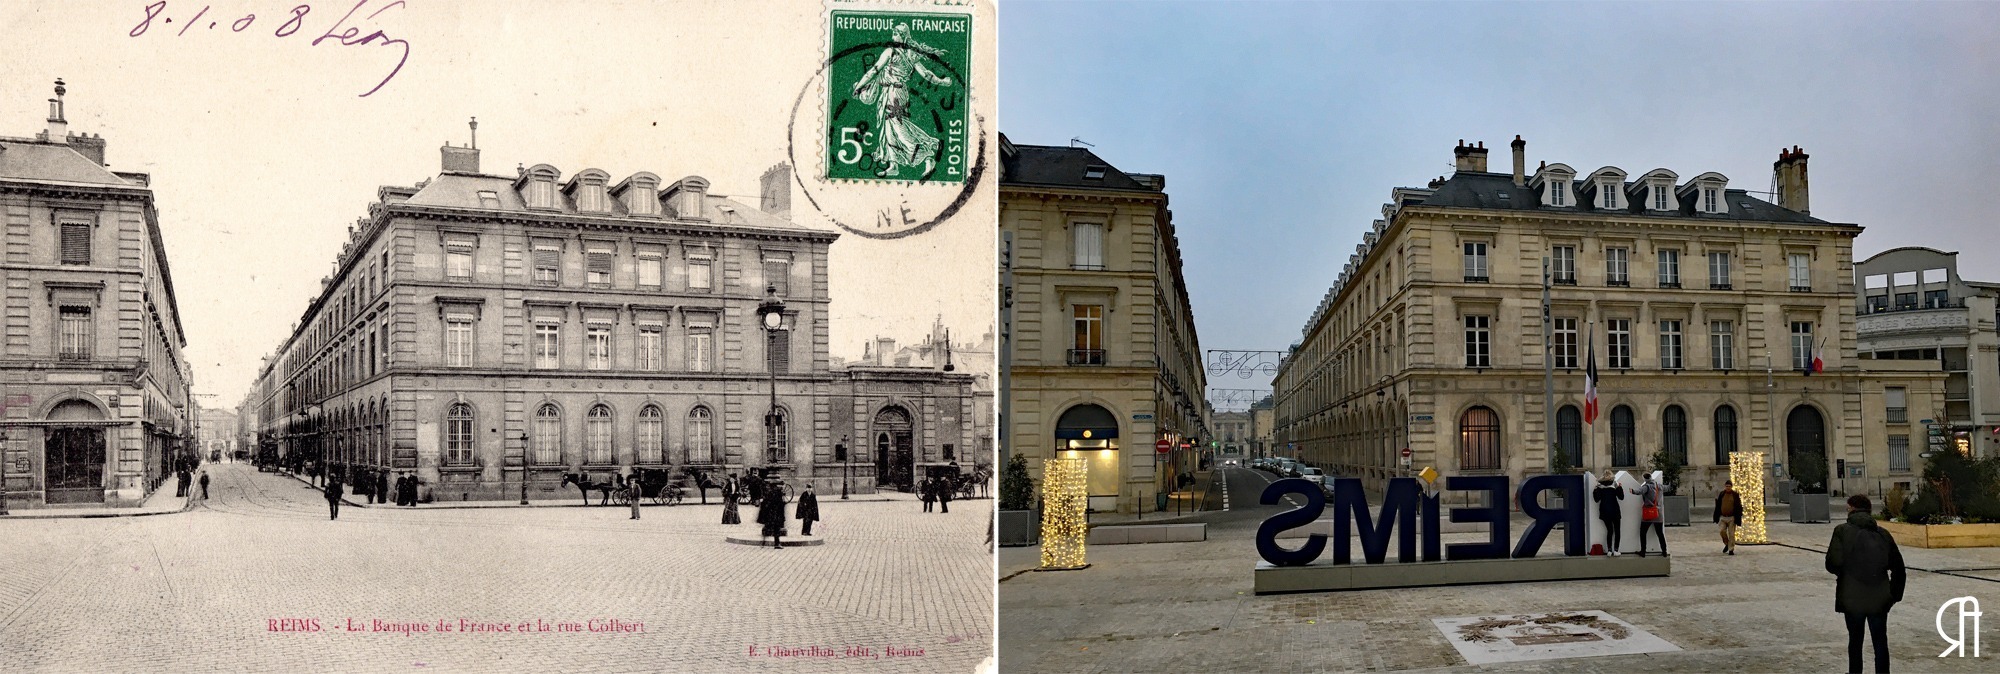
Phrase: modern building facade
(96,405)
(1914,306)
(494,334)
(1707,309)
(1101,349)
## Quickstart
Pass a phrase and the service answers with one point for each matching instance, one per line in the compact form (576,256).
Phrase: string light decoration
(1063,501)
(1746,469)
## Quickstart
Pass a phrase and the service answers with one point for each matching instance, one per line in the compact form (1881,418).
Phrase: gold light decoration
(1064,499)
(1746,469)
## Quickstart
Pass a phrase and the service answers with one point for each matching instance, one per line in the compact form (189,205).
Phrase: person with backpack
(1607,497)
(1729,514)
(1870,576)
(1649,514)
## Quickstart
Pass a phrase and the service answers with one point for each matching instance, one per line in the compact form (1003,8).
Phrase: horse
(584,485)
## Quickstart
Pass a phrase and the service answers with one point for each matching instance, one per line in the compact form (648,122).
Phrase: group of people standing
(1610,510)
(769,494)
(405,491)
(937,489)
(186,479)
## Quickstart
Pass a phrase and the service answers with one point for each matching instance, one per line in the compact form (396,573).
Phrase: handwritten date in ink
(343,33)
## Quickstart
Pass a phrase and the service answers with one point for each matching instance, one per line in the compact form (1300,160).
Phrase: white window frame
(1618,266)
(1670,344)
(1618,343)
(1798,270)
(1562,264)
(1565,343)
(1670,266)
(652,340)
(1802,336)
(1722,345)
(1718,269)
(1478,341)
(1475,255)
(459,340)
(1610,190)
(547,345)
(597,346)
(1087,246)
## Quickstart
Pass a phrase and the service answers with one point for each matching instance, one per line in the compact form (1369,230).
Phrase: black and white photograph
(498,337)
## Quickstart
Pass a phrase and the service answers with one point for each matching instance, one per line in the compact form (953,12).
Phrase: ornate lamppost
(524,468)
(772,312)
(839,454)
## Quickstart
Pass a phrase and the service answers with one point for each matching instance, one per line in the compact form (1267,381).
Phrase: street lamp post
(840,453)
(524,468)
(772,312)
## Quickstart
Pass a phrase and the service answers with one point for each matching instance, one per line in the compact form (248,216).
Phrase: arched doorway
(1805,445)
(895,440)
(1090,432)
(73,456)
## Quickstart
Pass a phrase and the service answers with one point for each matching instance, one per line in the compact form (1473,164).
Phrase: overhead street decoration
(1235,399)
(1243,364)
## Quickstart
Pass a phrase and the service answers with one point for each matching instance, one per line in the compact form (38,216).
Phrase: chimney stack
(1791,171)
(1520,161)
(774,195)
(463,159)
(1469,158)
(58,125)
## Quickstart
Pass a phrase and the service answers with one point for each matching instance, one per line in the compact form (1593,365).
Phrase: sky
(1282,127)
(263,149)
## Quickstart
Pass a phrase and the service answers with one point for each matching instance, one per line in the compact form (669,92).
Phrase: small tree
(1561,465)
(1017,490)
(1809,473)
(1670,469)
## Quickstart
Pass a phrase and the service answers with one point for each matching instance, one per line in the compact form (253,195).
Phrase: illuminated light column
(1746,469)
(1064,530)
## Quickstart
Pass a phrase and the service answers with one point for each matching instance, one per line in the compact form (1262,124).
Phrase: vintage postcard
(374,335)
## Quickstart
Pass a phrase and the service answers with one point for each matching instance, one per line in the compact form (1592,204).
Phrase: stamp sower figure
(333,499)
(1649,514)
(771,514)
(1729,514)
(899,141)
(1870,573)
(204,485)
(729,515)
(632,490)
(1607,496)
(808,510)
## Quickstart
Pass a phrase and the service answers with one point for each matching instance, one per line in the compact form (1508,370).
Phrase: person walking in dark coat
(1870,576)
(944,494)
(204,485)
(729,515)
(382,492)
(1607,496)
(1729,514)
(926,492)
(1649,504)
(771,514)
(333,499)
(181,480)
(808,510)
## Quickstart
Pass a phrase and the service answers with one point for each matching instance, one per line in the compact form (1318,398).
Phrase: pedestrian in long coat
(333,499)
(927,492)
(382,487)
(729,515)
(400,480)
(771,514)
(808,510)
(180,483)
(633,490)
(944,494)
(410,491)
(1870,573)
(204,485)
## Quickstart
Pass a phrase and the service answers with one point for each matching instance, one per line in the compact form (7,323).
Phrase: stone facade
(1101,336)
(1915,307)
(1705,308)
(96,405)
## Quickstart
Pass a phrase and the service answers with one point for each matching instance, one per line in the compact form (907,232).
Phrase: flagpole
(1590,434)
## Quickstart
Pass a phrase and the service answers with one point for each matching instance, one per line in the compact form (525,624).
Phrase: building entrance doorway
(895,444)
(73,456)
(1805,443)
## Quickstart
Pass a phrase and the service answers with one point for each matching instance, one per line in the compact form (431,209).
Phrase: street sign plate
(1924,455)
(1406,453)
(1142,417)
(1420,417)
(1163,445)
(1927,421)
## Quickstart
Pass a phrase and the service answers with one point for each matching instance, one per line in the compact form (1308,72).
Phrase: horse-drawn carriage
(656,486)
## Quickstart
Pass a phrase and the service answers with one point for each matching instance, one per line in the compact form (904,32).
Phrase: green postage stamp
(898,99)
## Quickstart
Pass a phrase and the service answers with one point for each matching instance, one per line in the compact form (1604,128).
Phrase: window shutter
(781,352)
(75,243)
(600,262)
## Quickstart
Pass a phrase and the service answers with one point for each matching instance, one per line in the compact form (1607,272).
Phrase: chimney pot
(1520,161)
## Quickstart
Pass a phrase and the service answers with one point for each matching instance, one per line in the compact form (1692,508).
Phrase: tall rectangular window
(1610,190)
(1799,266)
(548,265)
(1722,345)
(1565,343)
(651,269)
(701,348)
(1708,200)
(75,243)
(1478,341)
(1670,345)
(1718,270)
(548,346)
(1562,264)
(1896,400)
(599,260)
(1558,195)
(458,258)
(1087,326)
(1802,345)
(649,348)
(1616,265)
(1089,246)
(1899,453)
(1475,262)
(1618,343)
(778,274)
(780,357)
(701,273)
(1670,268)
(74,333)
(1659,197)
(597,347)
(458,341)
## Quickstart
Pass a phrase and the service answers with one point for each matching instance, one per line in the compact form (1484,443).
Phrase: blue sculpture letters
(1404,504)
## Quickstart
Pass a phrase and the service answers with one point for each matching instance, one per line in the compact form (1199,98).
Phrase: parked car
(1313,474)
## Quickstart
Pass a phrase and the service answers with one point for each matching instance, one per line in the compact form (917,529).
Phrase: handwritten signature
(351,37)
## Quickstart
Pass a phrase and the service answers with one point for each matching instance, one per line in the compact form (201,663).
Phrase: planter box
(1944,535)
(1017,528)
(1809,508)
(1674,510)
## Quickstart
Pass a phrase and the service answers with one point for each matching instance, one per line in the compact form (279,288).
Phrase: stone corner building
(492,334)
(94,400)
(1696,296)
(1100,344)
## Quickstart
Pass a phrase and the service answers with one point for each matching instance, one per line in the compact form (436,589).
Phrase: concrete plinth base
(751,538)
(1324,577)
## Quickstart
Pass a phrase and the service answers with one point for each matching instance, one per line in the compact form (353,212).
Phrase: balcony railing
(1086,356)
(1720,286)
(1671,284)
(1565,280)
(73,355)
(1889,308)
(1899,415)
(1618,283)
(1801,289)
(1475,279)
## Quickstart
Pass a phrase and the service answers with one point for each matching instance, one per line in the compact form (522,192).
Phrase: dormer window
(589,191)
(640,194)
(1094,172)
(1707,192)
(1708,199)
(1659,185)
(1553,182)
(538,186)
(1659,198)
(489,199)
(1610,191)
(687,198)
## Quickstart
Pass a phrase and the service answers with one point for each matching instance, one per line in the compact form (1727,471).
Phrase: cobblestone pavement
(1188,607)
(210,589)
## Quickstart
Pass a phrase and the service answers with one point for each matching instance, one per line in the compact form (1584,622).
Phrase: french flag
(1818,364)
(1590,382)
